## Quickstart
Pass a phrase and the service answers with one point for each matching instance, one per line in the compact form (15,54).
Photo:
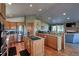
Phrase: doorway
(20,32)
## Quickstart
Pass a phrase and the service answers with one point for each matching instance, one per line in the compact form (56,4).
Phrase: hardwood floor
(69,50)
(19,47)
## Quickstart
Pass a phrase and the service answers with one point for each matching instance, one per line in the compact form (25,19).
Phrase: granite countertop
(72,32)
(34,38)
(48,34)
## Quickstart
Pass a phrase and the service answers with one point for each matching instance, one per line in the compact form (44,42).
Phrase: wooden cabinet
(7,25)
(27,43)
(34,47)
(12,39)
(2,8)
(50,41)
(63,42)
(37,47)
(30,28)
(43,36)
(13,25)
(2,11)
(10,25)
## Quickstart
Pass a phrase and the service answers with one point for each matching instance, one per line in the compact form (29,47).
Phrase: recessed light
(49,17)
(30,5)
(10,3)
(39,9)
(68,18)
(64,14)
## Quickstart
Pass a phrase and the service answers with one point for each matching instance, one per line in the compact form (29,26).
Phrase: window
(54,28)
(58,28)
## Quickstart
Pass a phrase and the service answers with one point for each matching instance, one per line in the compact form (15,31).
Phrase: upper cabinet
(10,25)
(2,8)
(2,11)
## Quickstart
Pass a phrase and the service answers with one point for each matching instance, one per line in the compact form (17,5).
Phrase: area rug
(12,51)
(24,53)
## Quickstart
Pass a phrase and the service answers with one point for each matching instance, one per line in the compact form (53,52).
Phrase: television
(70,24)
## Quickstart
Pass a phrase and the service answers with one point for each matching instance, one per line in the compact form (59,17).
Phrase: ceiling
(51,13)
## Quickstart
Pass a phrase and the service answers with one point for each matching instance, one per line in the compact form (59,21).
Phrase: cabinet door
(37,48)
(13,25)
(52,42)
(7,25)
(46,41)
(26,43)
(29,46)
(30,28)
(2,8)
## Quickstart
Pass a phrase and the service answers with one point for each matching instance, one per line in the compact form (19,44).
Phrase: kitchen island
(50,40)
(34,45)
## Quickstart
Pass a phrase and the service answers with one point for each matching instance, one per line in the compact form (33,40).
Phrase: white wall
(17,19)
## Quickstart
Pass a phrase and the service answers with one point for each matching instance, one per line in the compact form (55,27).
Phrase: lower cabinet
(27,43)
(50,40)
